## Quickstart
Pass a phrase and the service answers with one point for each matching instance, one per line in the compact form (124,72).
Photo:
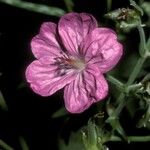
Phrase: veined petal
(95,41)
(76,97)
(95,79)
(86,89)
(48,31)
(46,43)
(102,47)
(109,57)
(44,79)
(73,28)
(89,23)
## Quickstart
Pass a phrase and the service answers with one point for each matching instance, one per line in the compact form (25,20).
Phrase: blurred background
(29,116)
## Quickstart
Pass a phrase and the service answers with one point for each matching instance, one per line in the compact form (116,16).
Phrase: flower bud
(93,137)
(125,18)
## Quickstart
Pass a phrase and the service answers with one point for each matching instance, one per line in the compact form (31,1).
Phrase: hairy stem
(143,51)
(142,47)
(131,138)
(121,101)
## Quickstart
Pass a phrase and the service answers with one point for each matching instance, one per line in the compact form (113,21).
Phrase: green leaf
(75,142)
(40,8)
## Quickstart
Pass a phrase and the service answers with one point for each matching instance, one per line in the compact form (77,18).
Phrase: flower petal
(96,80)
(44,79)
(73,28)
(46,43)
(102,47)
(109,57)
(76,97)
(88,88)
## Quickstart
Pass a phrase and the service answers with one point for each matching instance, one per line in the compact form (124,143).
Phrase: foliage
(129,82)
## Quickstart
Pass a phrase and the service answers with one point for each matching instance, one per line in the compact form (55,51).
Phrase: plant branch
(131,139)
(136,70)
(142,50)
(142,47)
(40,8)
(115,81)
(131,79)
(69,4)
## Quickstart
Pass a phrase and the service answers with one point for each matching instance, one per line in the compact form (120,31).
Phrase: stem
(92,148)
(134,87)
(137,7)
(148,114)
(44,9)
(109,4)
(115,81)
(121,105)
(131,79)
(131,138)
(148,44)
(69,4)
(143,47)
(5,146)
(144,54)
(136,70)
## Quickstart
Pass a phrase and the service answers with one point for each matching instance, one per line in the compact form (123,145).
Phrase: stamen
(66,62)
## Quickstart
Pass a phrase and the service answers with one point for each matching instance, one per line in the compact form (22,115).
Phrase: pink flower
(73,55)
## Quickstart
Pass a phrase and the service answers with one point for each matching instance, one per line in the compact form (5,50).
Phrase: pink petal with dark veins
(46,43)
(86,89)
(44,79)
(73,28)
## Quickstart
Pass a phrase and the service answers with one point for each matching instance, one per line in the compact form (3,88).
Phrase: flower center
(78,64)
(71,63)
(66,62)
